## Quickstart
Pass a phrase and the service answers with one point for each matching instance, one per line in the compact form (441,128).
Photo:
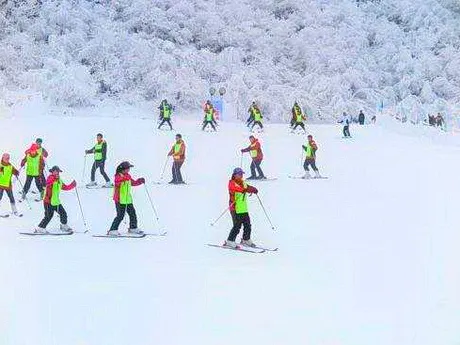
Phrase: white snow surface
(369,256)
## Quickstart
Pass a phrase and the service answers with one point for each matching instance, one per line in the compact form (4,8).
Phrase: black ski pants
(258,123)
(255,166)
(346,131)
(49,211)
(240,219)
(297,124)
(176,174)
(121,211)
(9,192)
(206,123)
(168,121)
(101,166)
(249,121)
(310,162)
(28,182)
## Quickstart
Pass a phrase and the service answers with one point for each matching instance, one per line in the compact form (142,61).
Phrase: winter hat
(39,140)
(238,171)
(55,168)
(5,157)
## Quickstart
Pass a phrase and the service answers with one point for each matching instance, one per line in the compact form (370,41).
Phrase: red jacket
(49,187)
(236,186)
(255,146)
(119,179)
(15,173)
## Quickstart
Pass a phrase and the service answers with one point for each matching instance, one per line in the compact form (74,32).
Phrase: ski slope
(369,256)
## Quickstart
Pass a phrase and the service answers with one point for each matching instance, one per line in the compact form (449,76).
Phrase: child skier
(100,154)
(310,158)
(209,116)
(346,120)
(238,190)
(6,175)
(178,153)
(34,164)
(297,118)
(255,150)
(124,200)
(51,201)
(165,114)
(257,116)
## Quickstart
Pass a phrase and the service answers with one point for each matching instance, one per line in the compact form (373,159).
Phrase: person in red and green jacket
(310,157)
(255,150)
(6,175)
(238,190)
(33,161)
(124,200)
(100,155)
(52,203)
(178,153)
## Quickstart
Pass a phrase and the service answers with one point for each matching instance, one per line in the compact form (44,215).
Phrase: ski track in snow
(369,256)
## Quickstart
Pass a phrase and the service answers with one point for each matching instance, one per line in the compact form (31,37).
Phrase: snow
(368,256)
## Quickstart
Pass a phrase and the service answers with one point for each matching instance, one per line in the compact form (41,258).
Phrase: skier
(310,157)
(297,118)
(44,154)
(209,116)
(346,120)
(100,154)
(361,118)
(178,153)
(165,114)
(257,115)
(6,175)
(238,190)
(257,156)
(250,119)
(124,200)
(34,164)
(51,201)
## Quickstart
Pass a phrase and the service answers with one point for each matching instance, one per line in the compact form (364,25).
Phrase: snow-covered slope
(367,257)
(331,55)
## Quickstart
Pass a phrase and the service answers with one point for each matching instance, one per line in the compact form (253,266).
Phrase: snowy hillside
(369,256)
(331,55)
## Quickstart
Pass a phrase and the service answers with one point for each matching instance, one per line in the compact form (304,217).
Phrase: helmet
(238,171)
(123,166)
(55,168)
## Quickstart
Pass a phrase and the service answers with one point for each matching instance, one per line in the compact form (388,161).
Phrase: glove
(304,147)
(73,184)
(252,190)
(242,150)
(141,180)
(86,151)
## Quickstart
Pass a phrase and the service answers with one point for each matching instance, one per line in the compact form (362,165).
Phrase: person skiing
(165,114)
(52,203)
(255,150)
(7,170)
(178,153)
(100,155)
(124,200)
(257,115)
(34,164)
(250,119)
(44,155)
(238,190)
(297,118)
(361,118)
(209,116)
(346,121)
(310,157)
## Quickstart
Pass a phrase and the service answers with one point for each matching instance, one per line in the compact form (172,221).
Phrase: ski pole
(164,168)
(151,203)
(222,214)
(266,214)
(84,170)
(241,160)
(22,187)
(81,210)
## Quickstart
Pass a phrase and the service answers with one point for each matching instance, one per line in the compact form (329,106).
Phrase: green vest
(98,151)
(177,148)
(125,193)
(55,191)
(33,165)
(298,114)
(257,115)
(310,153)
(40,151)
(166,111)
(241,204)
(209,115)
(5,177)
(253,152)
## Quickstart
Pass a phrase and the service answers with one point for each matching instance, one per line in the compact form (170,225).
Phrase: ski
(264,179)
(4,215)
(239,248)
(263,248)
(47,233)
(121,236)
(156,234)
(311,178)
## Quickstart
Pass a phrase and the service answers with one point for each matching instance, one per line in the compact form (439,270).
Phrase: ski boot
(113,233)
(135,231)
(248,243)
(317,175)
(107,185)
(66,229)
(39,230)
(91,184)
(230,244)
(307,175)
